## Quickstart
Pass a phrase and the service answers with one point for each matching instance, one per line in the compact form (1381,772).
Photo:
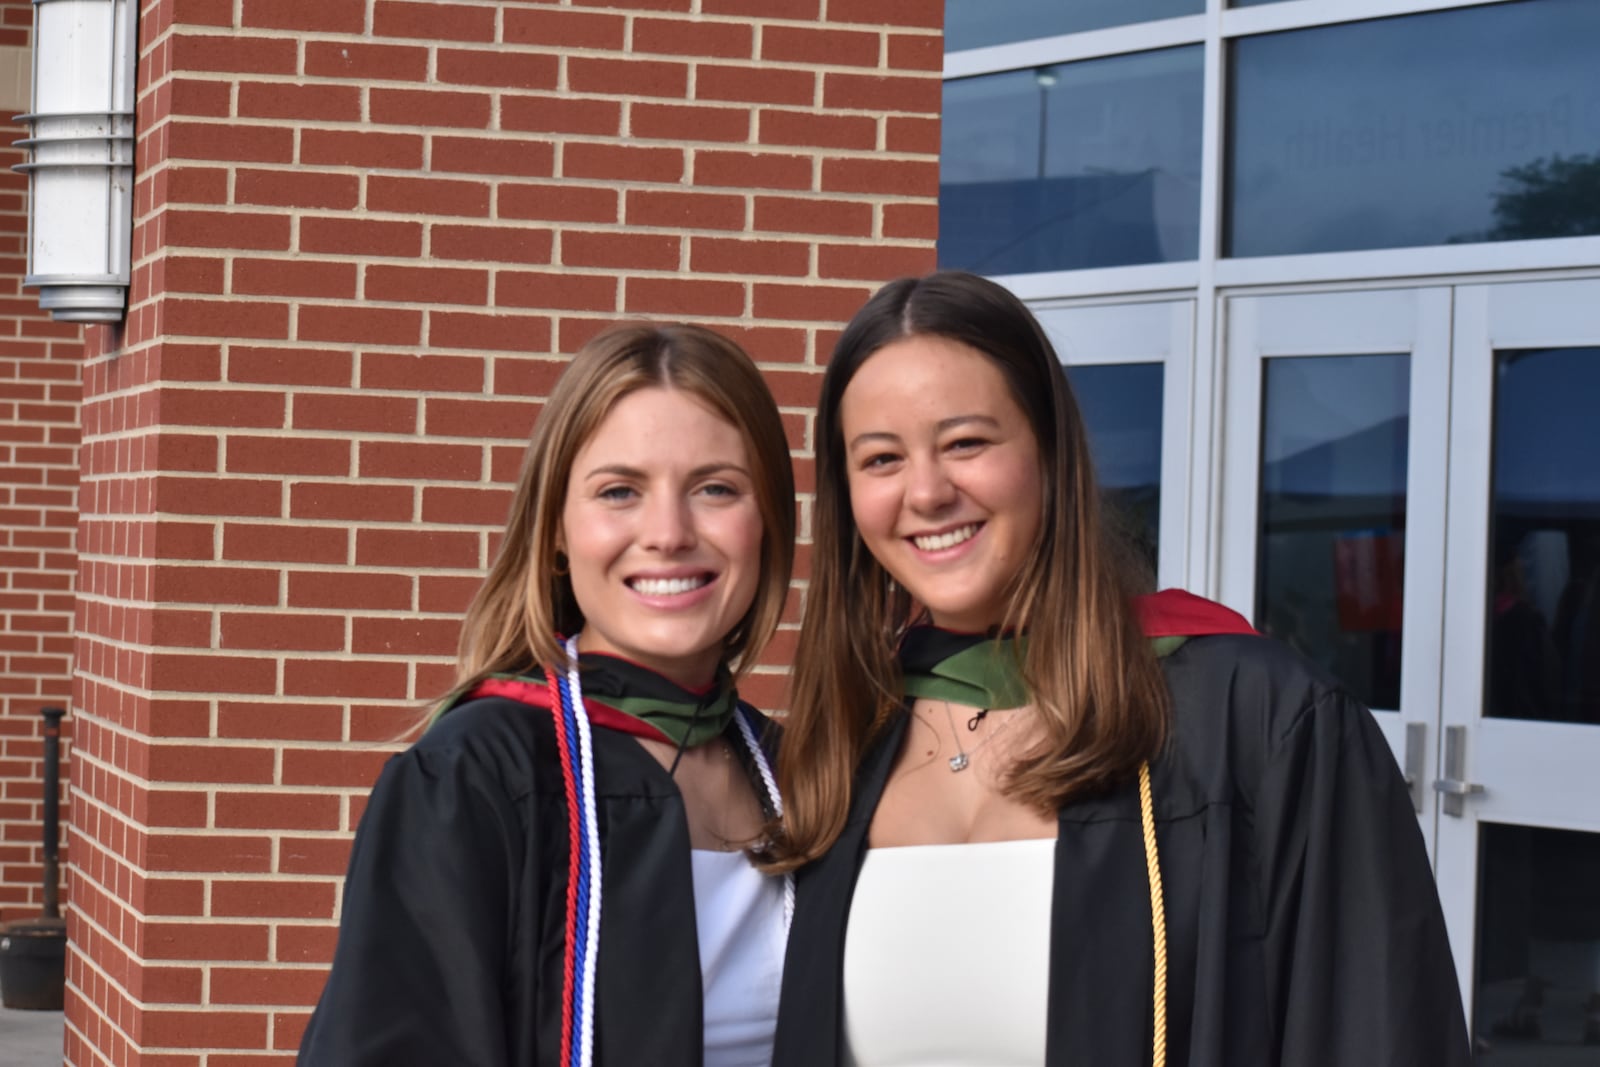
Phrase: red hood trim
(1177,613)
(538,695)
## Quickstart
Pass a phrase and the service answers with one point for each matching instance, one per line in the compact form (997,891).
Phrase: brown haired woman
(557,872)
(1038,819)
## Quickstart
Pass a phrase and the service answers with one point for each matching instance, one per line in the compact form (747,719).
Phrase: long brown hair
(1098,689)
(524,604)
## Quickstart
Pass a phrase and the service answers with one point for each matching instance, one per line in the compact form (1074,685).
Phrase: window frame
(1215,29)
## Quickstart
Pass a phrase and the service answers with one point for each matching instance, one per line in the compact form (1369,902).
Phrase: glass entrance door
(1130,366)
(1518,858)
(1333,494)
(1411,496)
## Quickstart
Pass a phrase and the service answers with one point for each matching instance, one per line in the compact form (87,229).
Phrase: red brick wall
(366,230)
(39,389)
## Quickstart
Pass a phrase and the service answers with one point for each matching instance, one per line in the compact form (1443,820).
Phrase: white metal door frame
(1414,321)
(1530,773)
(1144,332)
(1538,774)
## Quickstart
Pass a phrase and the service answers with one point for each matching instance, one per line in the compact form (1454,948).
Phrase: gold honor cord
(1158,915)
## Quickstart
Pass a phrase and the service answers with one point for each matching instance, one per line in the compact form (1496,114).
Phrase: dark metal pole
(33,967)
(52,811)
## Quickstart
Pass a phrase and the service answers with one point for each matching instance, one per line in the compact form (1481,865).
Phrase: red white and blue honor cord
(576,750)
(576,745)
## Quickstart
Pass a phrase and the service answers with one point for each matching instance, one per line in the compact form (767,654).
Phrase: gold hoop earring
(562,566)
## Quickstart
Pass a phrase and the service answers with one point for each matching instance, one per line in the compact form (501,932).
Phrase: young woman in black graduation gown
(1035,818)
(553,874)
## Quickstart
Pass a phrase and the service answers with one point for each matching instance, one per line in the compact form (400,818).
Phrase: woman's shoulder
(496,736)
(768,729)
(757,717)
(1258,686)
(1242,704)
(1254,659)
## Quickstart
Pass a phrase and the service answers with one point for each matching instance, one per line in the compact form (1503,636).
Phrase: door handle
(1454,788)
(1413,761)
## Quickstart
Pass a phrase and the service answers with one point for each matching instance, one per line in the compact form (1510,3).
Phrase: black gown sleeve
(419,975)
(1359,970)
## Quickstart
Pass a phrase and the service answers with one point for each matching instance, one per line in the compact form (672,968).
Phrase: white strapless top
(947,956)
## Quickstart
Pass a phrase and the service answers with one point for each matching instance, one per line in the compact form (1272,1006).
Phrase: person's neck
(697,673)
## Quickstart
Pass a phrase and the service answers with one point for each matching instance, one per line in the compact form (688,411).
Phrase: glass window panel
(1088,164)
(978,23)
(1538,959)
(1121,406)
(1480,124)
(1331,551)
(1544,574)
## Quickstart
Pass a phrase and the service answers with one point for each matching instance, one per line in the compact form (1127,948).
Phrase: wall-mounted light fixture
(80,157)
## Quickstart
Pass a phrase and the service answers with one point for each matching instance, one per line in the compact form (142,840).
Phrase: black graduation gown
(1303,926)
(450,948)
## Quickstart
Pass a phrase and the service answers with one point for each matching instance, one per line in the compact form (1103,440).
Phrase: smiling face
(945,478)
(663,533)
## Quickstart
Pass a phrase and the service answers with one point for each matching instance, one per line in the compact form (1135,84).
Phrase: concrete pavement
(30,1038)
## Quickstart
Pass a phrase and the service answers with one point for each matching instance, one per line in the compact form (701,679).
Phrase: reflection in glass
(1088,164)
(1478,124)
(1121,405)
(1544,596)
(978,23)
(1331,547)
(1538,980)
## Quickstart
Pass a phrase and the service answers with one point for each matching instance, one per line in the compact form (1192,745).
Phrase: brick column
(40,363)
(366,231)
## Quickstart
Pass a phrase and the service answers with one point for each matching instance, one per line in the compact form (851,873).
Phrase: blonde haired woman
(1040,820)
(559,871)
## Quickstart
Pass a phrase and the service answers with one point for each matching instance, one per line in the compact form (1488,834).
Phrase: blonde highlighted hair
(524,606)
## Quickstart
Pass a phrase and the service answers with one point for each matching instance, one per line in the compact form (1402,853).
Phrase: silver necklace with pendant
(963,757)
